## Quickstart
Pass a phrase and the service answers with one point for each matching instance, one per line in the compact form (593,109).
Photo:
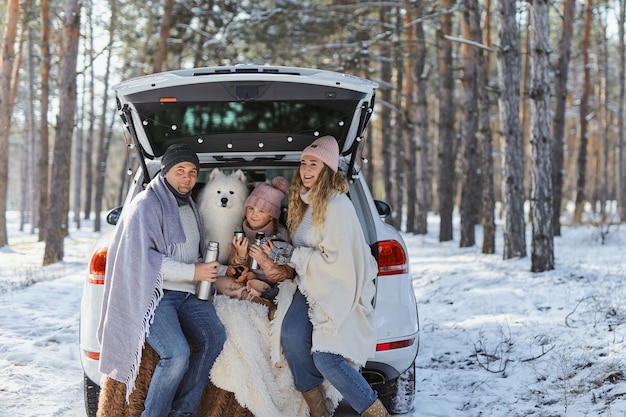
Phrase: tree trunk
(446,151)
(421,167)
(485,139)
(386,116)
(605,120)
(525,109)
(33,155)
(7,54)
(621,188)
(400,134)
(160,58)
(558,121)
(26,138)
(487,34)
(104,133)
(44,73)
(77,151)
(57,220)
(198,59)
(470,185)
(542,256)
(512,148)
(89,139)
(584,102)
(409,114)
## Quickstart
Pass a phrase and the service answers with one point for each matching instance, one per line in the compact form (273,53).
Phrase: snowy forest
(493,109)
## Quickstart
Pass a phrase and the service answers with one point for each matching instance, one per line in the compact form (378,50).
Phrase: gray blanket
(148,231)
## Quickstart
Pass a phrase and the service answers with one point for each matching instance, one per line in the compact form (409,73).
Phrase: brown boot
(316,400)
(270,305)
(376,410)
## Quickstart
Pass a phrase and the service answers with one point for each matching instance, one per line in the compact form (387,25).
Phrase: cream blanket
(245,367)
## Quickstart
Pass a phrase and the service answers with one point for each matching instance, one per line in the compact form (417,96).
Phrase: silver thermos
(205,289)
(258,239)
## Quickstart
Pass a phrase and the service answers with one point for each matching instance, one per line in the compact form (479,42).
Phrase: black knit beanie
(177,153)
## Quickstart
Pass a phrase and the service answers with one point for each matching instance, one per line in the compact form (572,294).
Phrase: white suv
(259,119)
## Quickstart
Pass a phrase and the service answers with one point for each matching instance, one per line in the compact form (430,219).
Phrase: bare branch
(468,42)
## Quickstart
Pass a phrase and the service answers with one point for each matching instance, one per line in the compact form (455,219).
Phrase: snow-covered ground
(496,339)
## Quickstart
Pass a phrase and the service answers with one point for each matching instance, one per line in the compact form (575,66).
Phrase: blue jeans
(181,319)
(310,369)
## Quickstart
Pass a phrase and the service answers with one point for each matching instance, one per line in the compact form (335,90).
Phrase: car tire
(92,393)
(402,400)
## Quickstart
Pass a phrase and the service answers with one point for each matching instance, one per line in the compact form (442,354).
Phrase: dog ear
(214,174)
(240,176)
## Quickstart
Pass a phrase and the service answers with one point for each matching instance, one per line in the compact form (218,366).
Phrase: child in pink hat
(263,208)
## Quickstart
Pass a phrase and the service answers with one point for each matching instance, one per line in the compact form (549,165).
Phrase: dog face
(226,191)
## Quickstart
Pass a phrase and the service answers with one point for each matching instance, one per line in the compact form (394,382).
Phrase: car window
(166,122)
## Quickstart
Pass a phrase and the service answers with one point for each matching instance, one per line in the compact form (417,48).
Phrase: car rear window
(166,123)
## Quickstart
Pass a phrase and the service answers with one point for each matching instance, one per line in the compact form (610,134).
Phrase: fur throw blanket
(244,366)
(112,403)
(245,382)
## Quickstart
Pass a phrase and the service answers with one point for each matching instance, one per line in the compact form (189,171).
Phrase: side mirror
(114,215)
(384,209)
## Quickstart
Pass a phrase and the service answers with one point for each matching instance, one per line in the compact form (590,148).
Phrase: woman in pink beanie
(263,208)
(328,328)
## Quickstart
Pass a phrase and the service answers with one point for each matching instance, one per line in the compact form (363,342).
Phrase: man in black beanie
(173,156)
(178,152)
(154,262)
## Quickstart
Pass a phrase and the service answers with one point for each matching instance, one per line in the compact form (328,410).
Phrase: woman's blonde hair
(328,183)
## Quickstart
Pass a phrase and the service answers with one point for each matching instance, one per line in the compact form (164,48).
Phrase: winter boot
(316,400)
(376,410)
(267,303)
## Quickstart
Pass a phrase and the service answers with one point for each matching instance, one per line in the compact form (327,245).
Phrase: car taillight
(92,355)
(395,345)
(97,266)
(391,258)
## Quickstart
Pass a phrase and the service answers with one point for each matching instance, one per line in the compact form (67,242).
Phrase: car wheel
(402,401)
(92,392)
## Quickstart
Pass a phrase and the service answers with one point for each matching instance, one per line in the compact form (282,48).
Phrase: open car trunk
(245,113)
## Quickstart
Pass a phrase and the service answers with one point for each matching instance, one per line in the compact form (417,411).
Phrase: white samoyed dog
(221,203)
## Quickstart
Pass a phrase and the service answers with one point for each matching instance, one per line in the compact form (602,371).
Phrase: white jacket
(336,272)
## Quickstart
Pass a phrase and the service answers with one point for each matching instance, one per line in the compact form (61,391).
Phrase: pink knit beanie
(267,197)
(326,150)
